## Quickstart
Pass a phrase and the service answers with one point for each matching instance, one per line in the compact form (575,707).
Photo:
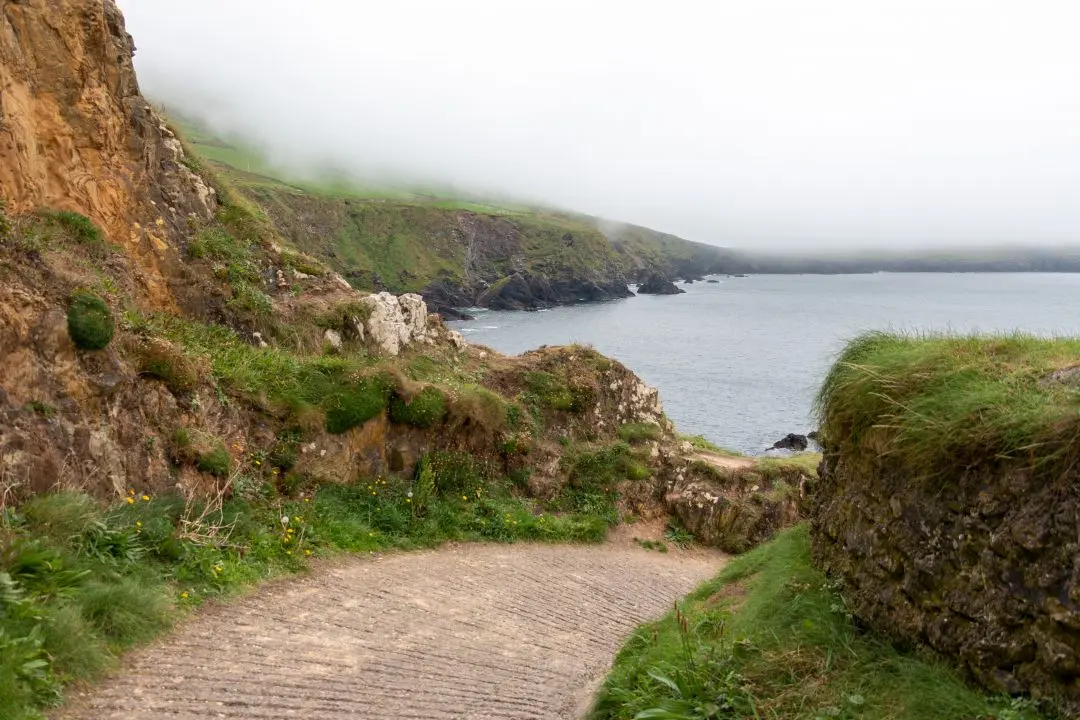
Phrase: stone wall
(982,567)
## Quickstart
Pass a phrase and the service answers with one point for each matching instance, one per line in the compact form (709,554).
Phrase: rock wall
(76,134)
(984,567)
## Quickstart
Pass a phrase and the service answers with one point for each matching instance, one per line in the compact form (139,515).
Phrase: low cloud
(767,125)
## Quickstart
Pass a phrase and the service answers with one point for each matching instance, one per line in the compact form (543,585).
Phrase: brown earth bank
(471,631)
(980,566)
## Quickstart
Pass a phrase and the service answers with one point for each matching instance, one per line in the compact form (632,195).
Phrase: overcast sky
(750,123)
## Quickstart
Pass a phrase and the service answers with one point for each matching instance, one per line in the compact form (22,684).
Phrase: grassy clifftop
(942,403)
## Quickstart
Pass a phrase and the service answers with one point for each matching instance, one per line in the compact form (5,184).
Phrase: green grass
(90,322)
(594,478)
(768,638)
(80,582)
(942,404)
(281,381)
(700,443)
(427,409)
(640,432)
(77,228)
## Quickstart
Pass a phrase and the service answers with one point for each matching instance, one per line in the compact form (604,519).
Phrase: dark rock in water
(510,293)
(814,436)
(444,297)
(531,292)
(657,284)
(791,441)
(715,282)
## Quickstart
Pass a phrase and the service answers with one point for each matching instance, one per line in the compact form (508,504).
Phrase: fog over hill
(766,125)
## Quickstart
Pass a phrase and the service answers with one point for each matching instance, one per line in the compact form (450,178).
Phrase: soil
(464,632)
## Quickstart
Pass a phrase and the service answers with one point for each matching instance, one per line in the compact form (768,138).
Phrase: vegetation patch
(941,404)
(89,320)
(594,477)
(79,582)
(216,461)
(769,638)
(356,403)
(215,243)
(76,227)
(640,432)
(165,361)
(424,410)
(558,393)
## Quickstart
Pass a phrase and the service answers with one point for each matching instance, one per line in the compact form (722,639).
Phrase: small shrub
(249,298)
(90,322)
(426,409)
(217,462)
(355,404)
(183,446)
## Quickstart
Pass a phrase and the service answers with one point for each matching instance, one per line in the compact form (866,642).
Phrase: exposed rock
(791,441)
(333,338)
(657,284)
(76,134)
(396,321)
(713,281)
(736,508)
(980,565)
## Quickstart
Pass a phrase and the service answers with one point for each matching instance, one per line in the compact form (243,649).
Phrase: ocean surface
(740,361)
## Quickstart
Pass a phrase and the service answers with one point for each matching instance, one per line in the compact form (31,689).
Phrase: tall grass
(769,638)
(942,403)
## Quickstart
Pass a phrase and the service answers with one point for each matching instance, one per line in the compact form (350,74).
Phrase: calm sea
(740,361)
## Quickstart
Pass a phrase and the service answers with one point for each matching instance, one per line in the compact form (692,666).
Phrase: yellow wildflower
(307,552)
(131,491)
(131,501)
(138,523)
(146,498)
(183,596)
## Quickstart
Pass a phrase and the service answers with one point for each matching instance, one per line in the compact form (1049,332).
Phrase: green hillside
(456,250)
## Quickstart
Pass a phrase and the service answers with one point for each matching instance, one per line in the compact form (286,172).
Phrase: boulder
(791,441)
(658,284)
(396,321)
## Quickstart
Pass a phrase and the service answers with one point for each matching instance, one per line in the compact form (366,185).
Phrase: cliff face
(76,134)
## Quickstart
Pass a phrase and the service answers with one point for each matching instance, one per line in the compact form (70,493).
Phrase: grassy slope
(410,237)
(768,638)
(938,403)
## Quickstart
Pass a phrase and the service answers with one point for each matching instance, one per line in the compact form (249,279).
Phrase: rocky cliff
(76,134)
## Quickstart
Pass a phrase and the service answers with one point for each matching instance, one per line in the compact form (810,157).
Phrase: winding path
(465,632)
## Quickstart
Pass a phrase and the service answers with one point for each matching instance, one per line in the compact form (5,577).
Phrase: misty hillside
(457,251)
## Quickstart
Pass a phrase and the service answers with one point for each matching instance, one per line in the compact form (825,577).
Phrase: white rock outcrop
(396,321)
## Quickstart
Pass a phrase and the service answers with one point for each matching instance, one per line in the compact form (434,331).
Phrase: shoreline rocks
(658,284)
